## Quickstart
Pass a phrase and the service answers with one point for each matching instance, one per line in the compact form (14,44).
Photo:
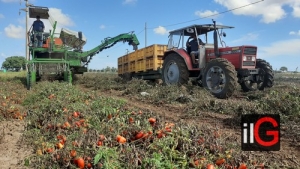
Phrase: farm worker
(193,44)
(38,28)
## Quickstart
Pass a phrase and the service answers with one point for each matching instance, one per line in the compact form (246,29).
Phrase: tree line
(107,69)
(14,63)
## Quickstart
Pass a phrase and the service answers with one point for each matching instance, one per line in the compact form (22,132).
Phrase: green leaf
(26,163)
(97,158)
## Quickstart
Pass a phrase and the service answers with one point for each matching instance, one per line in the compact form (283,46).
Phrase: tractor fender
(181,52)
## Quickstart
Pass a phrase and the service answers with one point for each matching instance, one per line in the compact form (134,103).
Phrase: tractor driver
(38,27)
(193,45)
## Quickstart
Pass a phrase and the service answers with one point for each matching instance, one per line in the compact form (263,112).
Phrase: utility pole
(26,30)
(145,34)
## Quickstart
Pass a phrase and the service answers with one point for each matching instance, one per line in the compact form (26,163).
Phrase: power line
(195,19)
(212,14)
(140,31)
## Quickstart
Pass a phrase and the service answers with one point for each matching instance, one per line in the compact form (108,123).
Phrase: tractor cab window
(174,42)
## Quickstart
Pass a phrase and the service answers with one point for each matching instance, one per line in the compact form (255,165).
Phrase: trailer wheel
(220,78)
(127,76)
(264,79)
(174,70)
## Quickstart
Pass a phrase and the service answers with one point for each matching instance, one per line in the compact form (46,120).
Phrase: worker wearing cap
(38,28)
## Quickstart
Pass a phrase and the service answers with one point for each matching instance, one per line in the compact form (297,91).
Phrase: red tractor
(219,69)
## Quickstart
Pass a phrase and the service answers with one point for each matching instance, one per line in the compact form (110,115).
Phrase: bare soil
(288,154)
(12,151)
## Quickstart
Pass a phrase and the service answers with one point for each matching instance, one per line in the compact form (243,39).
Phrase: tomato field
(103,121)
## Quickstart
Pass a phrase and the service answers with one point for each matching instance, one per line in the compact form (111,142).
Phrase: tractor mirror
(224,34)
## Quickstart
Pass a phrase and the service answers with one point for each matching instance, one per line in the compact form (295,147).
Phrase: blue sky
(272,25)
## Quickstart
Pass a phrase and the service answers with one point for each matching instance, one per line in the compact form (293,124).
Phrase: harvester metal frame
(60,58)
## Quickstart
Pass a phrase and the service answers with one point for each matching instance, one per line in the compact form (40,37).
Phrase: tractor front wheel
(220,78)
(264,79)
(174,70)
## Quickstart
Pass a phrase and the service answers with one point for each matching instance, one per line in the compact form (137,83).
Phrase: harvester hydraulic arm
(109,42)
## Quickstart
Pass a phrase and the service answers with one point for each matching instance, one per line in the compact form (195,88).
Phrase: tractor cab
(179,37)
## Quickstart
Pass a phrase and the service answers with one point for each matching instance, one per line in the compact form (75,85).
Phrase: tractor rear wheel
(174,70)
(220,78)
(265,78)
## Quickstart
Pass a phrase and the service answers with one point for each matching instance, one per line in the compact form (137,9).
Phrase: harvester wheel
(220,78)
(174,70)
(28,78)
(31,79)
(70,77)
(265,77)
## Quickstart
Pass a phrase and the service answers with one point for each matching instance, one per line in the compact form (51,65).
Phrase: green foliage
(283,68)
(108,157)
(14,63)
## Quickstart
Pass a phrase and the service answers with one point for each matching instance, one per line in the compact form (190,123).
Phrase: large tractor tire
(174,70)
(220,78)
(266,77)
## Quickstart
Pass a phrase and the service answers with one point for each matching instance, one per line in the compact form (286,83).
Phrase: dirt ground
(288,153)
(12,151)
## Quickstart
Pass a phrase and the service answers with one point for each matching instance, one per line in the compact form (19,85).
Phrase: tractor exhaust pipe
(216,48)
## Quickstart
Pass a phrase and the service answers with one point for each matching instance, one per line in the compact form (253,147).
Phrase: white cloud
(102,26)
(61,18)
(129,1)
(13,31)
(207,13)
(294,33)
(247,37)
(296,8)
(270,11)
(161,30)
(1,16)
(281,48)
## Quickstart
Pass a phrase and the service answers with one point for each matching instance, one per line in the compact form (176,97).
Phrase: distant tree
(107,69)
(103,70)
(14,63)
(283,68)
(113,69)
(98,70)
(90,70)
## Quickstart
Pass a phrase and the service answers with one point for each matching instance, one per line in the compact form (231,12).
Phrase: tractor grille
(250,51)
(248,63)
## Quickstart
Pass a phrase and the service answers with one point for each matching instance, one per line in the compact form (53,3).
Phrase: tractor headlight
(248,58)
